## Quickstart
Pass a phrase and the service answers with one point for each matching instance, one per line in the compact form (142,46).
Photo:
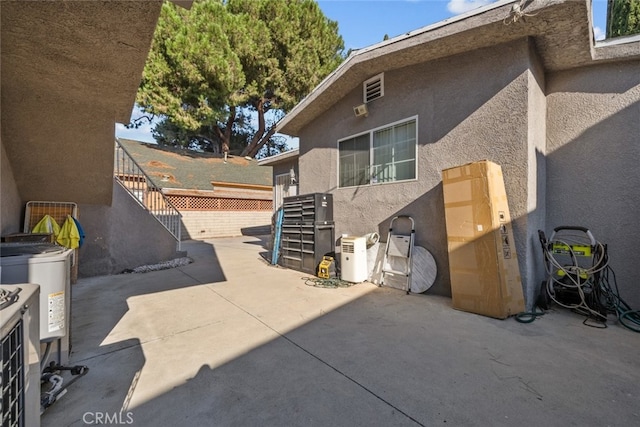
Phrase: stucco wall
(530,253)
(11,205)
(470,107)
(210,224)
(121,236)
(593,153)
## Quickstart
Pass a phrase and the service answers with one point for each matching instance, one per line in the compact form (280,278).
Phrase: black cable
(630,320)
(599,294)
(326,283)
(529,316)
(627,317)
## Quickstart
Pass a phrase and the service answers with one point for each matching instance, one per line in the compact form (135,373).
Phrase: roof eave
(279,158)
(561,28)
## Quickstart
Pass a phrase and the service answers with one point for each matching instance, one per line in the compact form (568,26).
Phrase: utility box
(485,277)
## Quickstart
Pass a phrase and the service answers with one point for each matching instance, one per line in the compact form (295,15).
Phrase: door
(283,188)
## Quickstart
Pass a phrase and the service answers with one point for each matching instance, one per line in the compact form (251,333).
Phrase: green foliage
(212,64)
(623,17)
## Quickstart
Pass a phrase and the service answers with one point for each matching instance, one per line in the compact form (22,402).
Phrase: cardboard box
(485,277)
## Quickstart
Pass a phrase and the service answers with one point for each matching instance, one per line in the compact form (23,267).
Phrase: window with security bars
(196,203)
(12,377)
(386,154)
(373,88)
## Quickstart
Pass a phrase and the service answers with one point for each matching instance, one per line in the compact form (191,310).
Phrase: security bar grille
(12,377)
(133,179)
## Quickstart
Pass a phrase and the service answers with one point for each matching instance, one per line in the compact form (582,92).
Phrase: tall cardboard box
(485,277)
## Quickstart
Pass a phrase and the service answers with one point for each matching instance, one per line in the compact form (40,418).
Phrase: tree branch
(265,138)
(137,122)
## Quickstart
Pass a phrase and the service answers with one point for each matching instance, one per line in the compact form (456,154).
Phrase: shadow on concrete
(381,358)
(258,230)
(391,359)
(100,306)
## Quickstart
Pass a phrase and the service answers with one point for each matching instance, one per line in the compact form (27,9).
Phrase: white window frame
(377,77)
(370,166)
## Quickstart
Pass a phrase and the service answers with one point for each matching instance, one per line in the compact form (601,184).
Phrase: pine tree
(212,66)
(623,17)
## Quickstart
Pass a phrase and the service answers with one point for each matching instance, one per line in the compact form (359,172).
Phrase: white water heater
(353,259)
(49,266)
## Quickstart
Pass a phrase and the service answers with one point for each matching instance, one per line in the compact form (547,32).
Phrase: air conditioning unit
(361,110)
(353,259)
(20,342)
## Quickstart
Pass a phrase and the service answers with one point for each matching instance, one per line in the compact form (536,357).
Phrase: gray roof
(560,29)
(186,169)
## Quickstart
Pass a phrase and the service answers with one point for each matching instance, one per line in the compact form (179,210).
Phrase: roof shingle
(186,169)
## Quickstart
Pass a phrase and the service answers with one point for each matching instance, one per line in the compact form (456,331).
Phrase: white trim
(618,40)
(278,157)
(370,132)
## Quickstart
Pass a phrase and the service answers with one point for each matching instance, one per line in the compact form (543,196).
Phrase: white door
(283,189)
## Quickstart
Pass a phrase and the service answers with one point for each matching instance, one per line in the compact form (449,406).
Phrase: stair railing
(141,187)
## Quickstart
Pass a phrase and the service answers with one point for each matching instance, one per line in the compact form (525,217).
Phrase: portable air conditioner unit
(353,259)
(20,342)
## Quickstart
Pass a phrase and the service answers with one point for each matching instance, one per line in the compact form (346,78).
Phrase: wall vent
(374,88)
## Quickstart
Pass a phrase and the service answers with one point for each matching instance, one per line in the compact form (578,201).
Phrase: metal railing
(132,178)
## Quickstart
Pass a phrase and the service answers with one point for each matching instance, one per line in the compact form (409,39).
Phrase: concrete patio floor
(232,341)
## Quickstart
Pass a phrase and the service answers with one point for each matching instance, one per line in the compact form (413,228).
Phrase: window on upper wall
(373,88)
(386,154)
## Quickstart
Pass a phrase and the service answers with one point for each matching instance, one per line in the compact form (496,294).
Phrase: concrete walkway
(232,341)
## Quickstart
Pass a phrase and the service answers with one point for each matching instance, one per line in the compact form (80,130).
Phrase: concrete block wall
(210,224)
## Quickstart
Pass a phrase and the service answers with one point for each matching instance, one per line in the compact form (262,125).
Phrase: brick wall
(209,224)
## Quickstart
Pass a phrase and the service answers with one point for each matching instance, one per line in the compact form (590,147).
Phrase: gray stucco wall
(593,153)
(11,204)
(285,167)
(470,107)
(531,258)
(121,236)
(118,237)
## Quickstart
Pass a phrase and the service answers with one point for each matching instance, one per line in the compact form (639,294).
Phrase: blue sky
(365,22)
(362,23)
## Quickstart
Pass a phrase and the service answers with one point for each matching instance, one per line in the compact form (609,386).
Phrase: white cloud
(142,133)
(462,6)
(598,33)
